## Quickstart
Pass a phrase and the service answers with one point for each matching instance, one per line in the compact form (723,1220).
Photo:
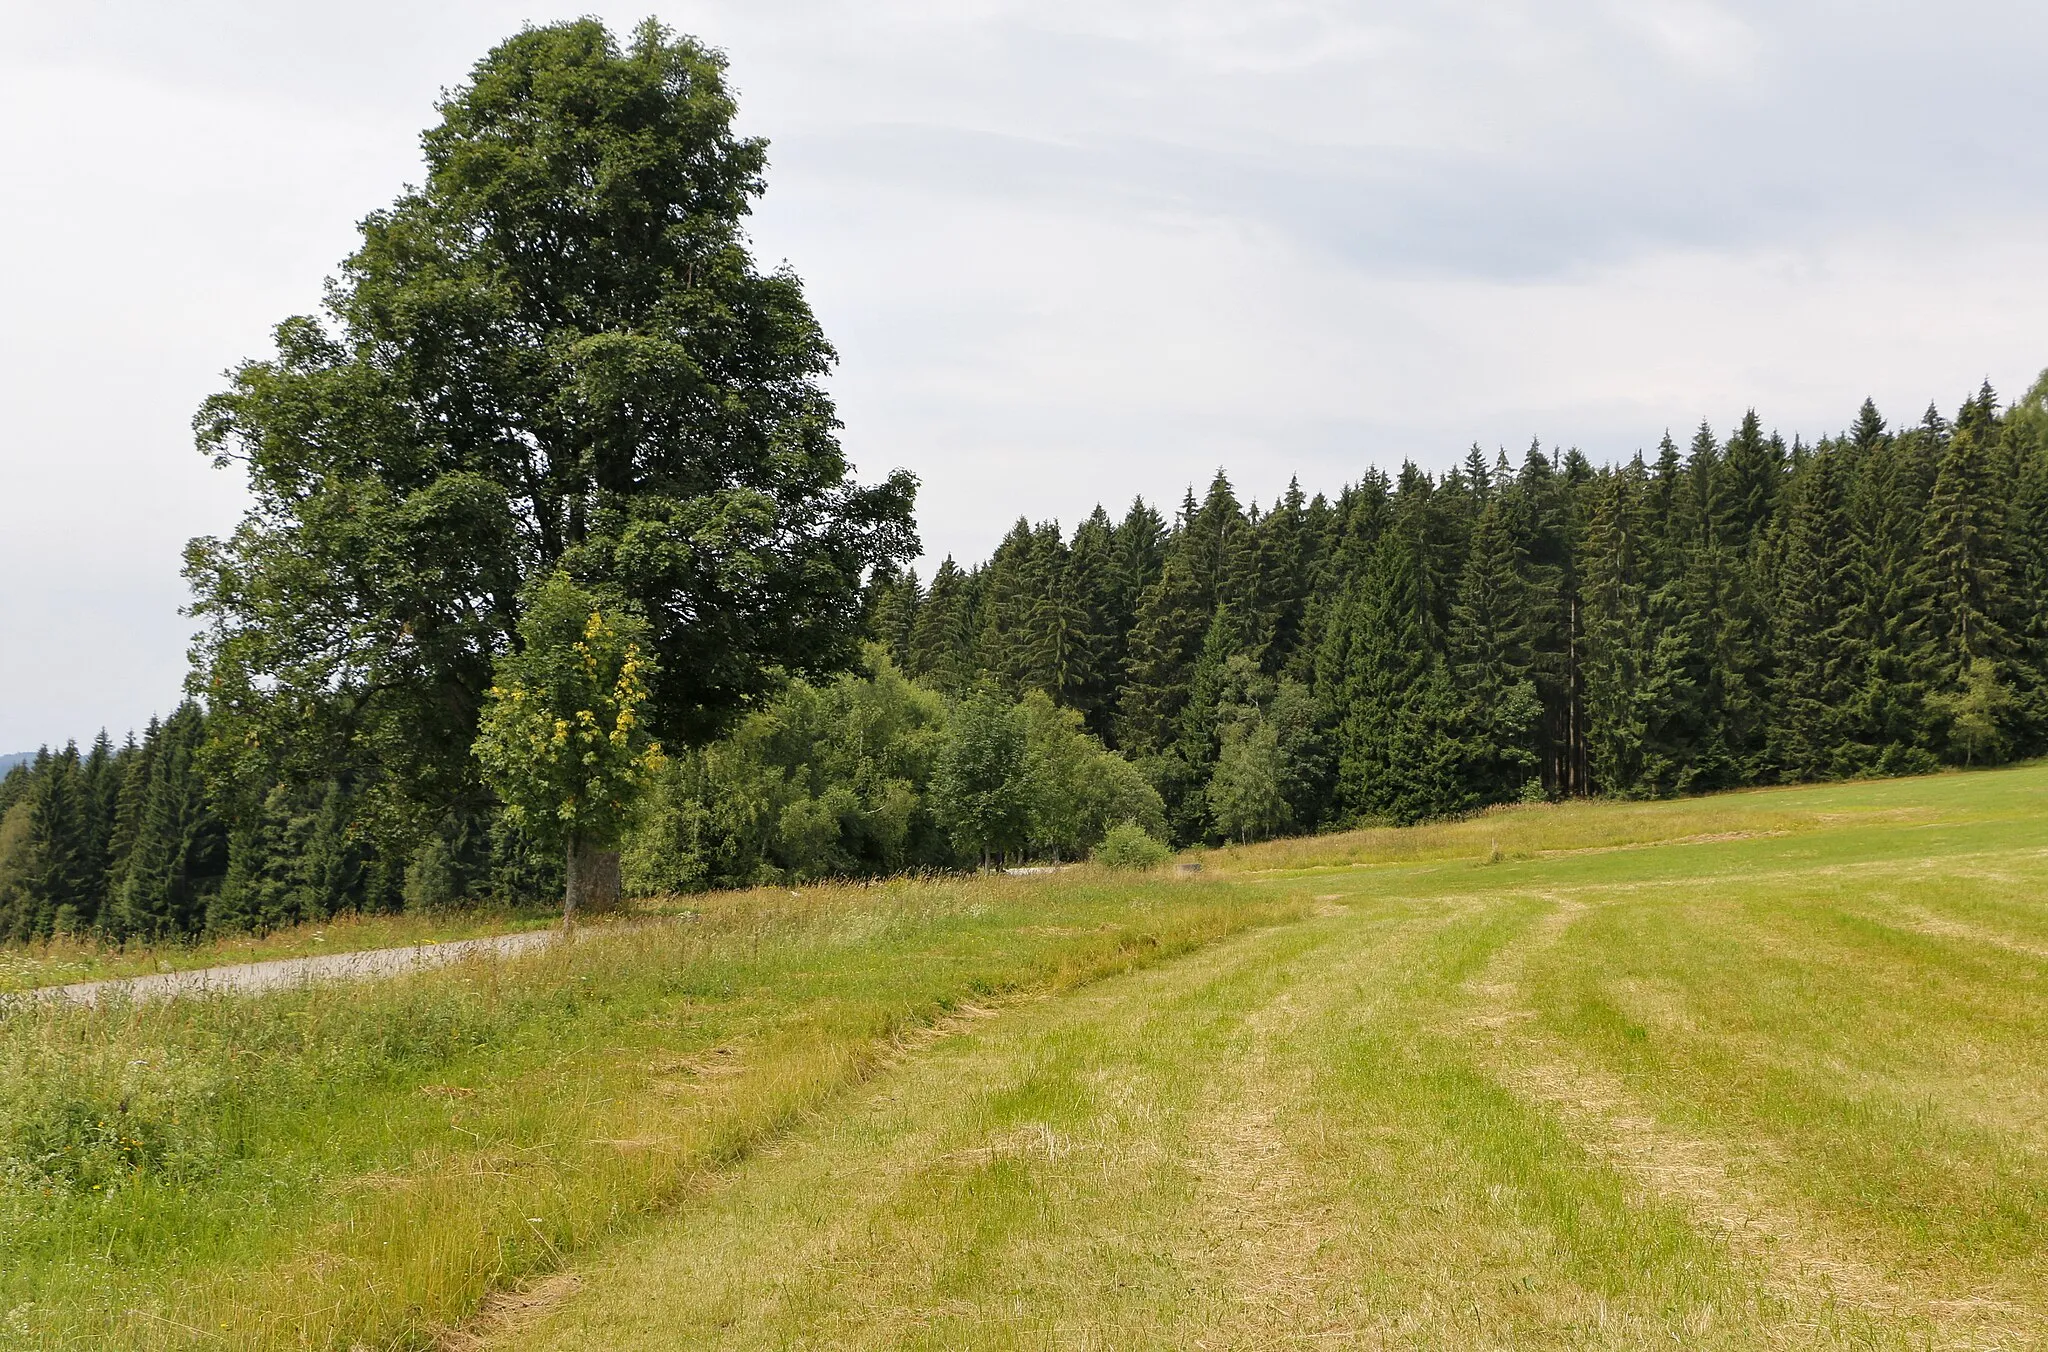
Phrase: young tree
(978,789)
(1075,790)
(563,742)
(1247,790)
(555,354)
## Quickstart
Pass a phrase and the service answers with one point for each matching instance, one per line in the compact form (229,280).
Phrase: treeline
(871,774)
(1737,612)
(151,841)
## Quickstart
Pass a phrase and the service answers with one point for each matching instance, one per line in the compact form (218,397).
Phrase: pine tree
(180,850)
(1818,672)
(1620,637)
(1491,662)
(1398,756)
(942,638)
(1964,576)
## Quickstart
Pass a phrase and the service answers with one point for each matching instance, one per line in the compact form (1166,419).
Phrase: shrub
(1128,845)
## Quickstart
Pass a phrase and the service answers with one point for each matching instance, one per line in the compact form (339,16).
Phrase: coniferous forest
(1735,611)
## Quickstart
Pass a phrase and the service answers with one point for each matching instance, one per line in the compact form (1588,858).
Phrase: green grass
(1768,1069)
(345,1165)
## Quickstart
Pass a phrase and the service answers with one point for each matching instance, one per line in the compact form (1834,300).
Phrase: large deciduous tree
(555,355)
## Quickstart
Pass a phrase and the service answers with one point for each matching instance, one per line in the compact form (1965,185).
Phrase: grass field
(1769,1069)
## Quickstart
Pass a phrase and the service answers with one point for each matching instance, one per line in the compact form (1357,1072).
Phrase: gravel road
(247,977)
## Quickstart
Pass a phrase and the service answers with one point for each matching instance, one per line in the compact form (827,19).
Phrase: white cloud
(1067,250)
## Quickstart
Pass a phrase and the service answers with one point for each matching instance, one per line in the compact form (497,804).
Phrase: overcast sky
(1067,251)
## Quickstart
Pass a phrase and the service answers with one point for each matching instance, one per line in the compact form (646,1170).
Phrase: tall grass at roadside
(65,959)
(339,1165)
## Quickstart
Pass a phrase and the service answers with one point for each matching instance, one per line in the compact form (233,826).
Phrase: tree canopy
(555,355)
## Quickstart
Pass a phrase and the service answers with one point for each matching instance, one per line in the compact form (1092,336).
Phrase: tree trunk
(593,875)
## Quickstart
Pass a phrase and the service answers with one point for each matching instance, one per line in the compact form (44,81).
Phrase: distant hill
(14,758)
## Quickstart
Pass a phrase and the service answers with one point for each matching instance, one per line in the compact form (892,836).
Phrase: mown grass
(63,960)
(1761,1070)
(336,1166)
(1757,1072)
(1542,830)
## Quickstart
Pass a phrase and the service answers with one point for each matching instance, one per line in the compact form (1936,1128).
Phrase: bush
(1128,845)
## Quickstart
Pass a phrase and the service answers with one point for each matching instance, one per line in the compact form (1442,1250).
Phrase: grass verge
(345,1166)
(62,961)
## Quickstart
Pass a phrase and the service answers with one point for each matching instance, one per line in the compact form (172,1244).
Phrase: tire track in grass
(1270,1228)
(1796,1257)
(1267,1225)
(798,1245)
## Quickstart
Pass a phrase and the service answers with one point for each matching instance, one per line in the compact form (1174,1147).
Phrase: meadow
(1765,1069)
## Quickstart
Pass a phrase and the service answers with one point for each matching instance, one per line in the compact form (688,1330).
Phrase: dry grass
(366,1165)
(1597,1097)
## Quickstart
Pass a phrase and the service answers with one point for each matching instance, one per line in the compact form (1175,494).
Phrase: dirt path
(250,978)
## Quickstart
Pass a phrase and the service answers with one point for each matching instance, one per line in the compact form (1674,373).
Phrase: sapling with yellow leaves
(563,742)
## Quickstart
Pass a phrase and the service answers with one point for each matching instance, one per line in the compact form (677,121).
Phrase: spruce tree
(1819,669)
(942,638)
(1287,547)
(1173,620)
(135,762)
(1092,589)
(891,603)
(1058,642)
(1964,579)
(1014,581)
(60,887)
(2025,439)
(180,850)
(1491,663)
(1887,625)
(1620,636)
(1398,756)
